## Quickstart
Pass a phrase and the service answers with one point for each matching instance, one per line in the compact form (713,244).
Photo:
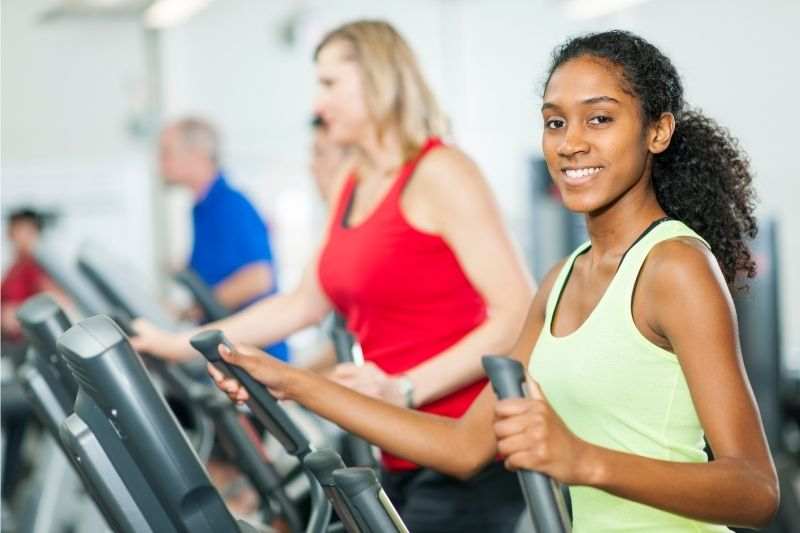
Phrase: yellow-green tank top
(616,389)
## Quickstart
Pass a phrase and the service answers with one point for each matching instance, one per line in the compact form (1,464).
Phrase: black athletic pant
(430,502)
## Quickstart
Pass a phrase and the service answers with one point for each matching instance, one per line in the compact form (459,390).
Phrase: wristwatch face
(407,387)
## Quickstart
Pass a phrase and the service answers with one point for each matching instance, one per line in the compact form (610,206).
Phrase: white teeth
(581,172)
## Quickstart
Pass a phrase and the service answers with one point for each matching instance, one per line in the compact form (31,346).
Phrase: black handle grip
(43,321)
(322,464)
(363,493)
(202,294)
(342,340)
(507,376)
(343,343)
(207,343)
(263,404)
(543,497)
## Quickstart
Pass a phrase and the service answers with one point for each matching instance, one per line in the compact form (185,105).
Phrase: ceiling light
(586,9)
(169,13)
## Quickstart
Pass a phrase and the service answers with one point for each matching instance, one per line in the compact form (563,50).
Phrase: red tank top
(402,291)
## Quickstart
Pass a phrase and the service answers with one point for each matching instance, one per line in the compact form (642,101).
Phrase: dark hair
(703,178)
(318,123)
(26,214)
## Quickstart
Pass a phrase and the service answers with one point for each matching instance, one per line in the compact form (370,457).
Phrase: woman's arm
(264,322)
(739,486)
(246,284)
(457,447)
(449,197)
(323,359)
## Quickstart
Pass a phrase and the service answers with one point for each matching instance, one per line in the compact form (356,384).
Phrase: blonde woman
(415,257)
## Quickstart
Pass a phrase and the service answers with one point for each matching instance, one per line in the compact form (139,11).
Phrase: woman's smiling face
(594,141)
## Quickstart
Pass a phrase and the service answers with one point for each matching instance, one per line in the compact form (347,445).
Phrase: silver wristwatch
(407,388)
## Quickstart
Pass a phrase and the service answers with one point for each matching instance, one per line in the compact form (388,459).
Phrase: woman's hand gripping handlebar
(242,373)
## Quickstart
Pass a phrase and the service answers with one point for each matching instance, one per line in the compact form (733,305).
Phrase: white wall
(486,60)
(69,90)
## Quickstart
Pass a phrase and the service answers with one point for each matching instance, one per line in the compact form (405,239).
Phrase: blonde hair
(397,95)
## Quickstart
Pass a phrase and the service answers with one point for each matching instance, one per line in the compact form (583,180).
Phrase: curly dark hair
(703,178)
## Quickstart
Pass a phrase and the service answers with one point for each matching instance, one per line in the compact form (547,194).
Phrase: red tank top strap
(407,171)
(390,200)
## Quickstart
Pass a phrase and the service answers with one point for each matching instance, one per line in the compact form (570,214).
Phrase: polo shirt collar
(216,185)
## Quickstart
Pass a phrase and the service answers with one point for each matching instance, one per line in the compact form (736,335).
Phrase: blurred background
(86,85)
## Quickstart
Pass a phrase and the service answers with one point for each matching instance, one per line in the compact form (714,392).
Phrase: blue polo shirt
(228,235)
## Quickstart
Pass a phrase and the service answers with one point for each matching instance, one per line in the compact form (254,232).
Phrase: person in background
(231,248)
(24,277)
(326,161)
(327,158)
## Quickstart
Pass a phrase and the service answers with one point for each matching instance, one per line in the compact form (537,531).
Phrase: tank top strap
(634,259)
(409,167)
(558,285)
(390,201)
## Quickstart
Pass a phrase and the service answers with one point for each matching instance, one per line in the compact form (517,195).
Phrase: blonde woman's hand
(156,342)
(370,380)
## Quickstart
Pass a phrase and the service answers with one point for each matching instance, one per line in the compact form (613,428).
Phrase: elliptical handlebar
(323,463)
(543,497)
(342,340)
(202,294)
(371,507)
(266,409)
(263,404)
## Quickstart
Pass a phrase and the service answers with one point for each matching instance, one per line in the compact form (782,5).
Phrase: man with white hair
(231,250)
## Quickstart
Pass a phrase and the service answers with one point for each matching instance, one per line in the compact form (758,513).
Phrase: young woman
(633,338)
(416,259)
